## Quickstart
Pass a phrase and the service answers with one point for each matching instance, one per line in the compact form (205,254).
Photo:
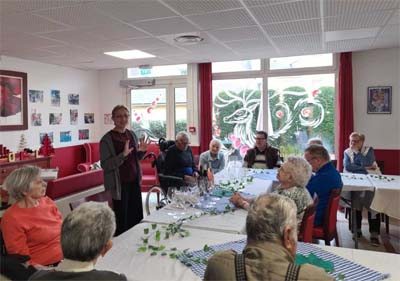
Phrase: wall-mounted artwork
(379,100)
(107,119)
(55,97)
(36,119)
(89,118)
(35,96)
(65,136)
(55,118)
(50,134)
(73,99)
(73,115)
(83,134)
(13,97)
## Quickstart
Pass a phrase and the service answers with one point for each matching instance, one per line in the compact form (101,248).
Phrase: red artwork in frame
(13,101)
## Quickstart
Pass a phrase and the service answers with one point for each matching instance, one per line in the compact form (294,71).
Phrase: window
(157,71)
(301,61)
(236,112)
(232,66)
(180,110)
(149,112)
(301,107)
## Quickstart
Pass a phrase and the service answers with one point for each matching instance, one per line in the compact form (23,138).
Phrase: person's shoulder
(273,148)
(204,154)
(107,275)
(311,272)
(222,255)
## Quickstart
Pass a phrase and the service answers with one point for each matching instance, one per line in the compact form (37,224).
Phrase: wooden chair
(328,230)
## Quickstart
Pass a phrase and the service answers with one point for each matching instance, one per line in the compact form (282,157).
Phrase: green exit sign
(145,72)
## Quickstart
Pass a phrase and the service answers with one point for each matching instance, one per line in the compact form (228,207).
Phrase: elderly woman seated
(271,246)
(85,236)
(212,159)
(32,225)
(293,176)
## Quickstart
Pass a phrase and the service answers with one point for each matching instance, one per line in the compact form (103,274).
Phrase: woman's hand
(127,150)
(143,144)
(236,199)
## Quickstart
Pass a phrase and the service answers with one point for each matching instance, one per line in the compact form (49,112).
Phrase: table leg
(354,220)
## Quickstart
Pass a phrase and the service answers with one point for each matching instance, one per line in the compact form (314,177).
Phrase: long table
(125,258)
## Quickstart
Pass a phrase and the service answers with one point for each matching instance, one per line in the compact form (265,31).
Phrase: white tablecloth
(356,182)
(387,194)
(125,258)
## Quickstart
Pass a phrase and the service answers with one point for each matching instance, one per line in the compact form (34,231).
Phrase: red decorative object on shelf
(46,149)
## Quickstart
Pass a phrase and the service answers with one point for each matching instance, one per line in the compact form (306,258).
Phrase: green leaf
(162,247)
(173,249)
(153,226)
(163,254)
(158,235)
(341,276)
(166,235)
(142,249)
(145,240)
(146,231)
(153,254)
(172,256)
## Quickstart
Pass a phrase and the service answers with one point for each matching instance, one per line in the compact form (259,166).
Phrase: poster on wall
(73,115)
(55,97)
(35,96)
(65,136)
(55,118)
(379,100)
(83,134)
(36,119)
(13,97)
(73,99)
(107,119)
(89,118)
(50,134)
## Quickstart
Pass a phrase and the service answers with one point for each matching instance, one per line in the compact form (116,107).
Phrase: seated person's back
(85,236)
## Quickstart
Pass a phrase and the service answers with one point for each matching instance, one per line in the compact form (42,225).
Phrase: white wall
(47,77)
(378,67)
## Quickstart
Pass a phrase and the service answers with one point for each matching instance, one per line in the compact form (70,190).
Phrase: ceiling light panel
(78,16)
(226,19)
(189,7)
(293,27)
(235,34)
(349,45)
(351,34)
(340,7)
(166,26)
(355,21)
(130,54)
(288,11)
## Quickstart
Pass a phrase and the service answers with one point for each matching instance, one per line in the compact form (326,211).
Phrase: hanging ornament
(306,112)
(279,114)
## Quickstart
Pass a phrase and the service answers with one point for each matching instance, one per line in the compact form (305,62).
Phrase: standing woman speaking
(120,152)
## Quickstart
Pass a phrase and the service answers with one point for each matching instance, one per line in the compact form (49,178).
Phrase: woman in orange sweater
(32,225)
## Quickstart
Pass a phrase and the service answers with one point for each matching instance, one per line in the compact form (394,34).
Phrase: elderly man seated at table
(86,235)
(262,156)
(271,228)
(179,161)
(293,176)
(325,179)
(213,159)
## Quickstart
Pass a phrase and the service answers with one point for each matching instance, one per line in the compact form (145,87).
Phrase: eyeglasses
(260,138)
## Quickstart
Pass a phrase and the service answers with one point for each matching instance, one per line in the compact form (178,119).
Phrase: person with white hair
(213,159)
(179,160)
(271,228)
(86,235)
(293,177)
(315,141)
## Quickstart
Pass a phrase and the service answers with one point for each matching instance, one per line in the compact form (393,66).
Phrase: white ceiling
(76,32)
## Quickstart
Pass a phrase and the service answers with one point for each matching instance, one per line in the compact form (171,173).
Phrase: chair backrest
(169,181)
(104,196)
(307,223)
(329,223)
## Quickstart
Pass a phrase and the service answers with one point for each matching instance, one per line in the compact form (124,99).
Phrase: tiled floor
(389,243)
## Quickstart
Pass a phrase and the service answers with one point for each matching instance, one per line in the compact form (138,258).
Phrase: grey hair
(19,181)
(359,135)
(299,169)
(314,141)
(318,151)
(182,134)
(215,141)
(268,216)
(86,230)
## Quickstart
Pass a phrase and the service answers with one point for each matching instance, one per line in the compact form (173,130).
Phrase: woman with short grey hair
(293,177)
(86,235)
(32,225)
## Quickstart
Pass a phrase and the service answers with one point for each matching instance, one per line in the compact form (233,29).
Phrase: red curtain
(205,90)
(345,119)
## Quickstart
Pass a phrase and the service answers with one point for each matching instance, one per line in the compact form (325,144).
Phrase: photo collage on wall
(56,99)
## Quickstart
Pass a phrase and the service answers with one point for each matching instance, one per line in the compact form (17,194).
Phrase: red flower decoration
(315,93)
(279,114)
(306,112)
(149,110)
(243,150)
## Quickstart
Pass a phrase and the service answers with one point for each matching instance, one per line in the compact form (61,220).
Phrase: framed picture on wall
(13,97)
(379,100)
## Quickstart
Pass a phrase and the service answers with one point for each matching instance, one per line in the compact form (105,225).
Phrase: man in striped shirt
(262,156)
